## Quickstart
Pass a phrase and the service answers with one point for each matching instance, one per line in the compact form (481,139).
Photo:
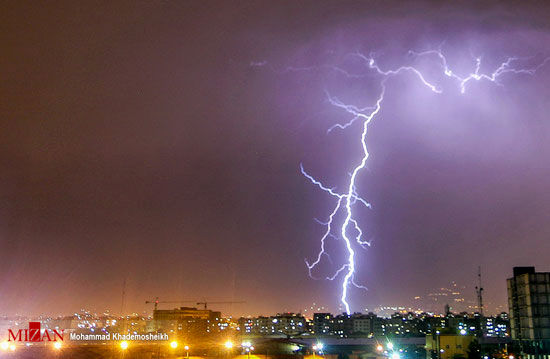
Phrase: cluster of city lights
(390,351)
(173,344)
(5,346)
(246,346)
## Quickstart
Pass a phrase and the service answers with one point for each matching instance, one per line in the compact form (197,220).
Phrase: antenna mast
(479,291)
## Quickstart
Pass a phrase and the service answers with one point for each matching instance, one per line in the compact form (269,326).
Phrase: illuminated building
(529,302)
(322,324)
(286,324)
(187,321)
(448,346)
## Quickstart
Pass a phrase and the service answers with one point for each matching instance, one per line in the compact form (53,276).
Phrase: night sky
(138,142)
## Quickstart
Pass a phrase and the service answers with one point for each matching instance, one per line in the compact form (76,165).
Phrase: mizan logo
(35,334)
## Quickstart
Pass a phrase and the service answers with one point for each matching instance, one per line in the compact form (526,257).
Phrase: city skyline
(154,150)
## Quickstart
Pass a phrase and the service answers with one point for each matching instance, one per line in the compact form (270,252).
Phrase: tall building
(529,303)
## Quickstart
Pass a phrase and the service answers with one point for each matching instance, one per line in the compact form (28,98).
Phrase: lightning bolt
(349,230)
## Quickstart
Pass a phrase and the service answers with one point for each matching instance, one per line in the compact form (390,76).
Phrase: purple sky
(137,142)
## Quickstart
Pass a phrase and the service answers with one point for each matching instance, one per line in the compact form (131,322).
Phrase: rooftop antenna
(123,297)
(122,305)
(479,292)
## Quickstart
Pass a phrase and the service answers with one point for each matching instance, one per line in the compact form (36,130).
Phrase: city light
(174,344)
(12,347)
(390,346)
(228,344)
(186,347)
(379,347)
(247,348)
(463,331)
(57,345)
(395,355)
(124,345)
(4,345)
(318,346)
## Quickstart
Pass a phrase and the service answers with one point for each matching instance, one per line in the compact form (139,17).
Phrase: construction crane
(156,302)
(205,303)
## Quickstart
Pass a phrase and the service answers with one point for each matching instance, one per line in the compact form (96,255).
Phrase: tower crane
(156,302)
(205,303)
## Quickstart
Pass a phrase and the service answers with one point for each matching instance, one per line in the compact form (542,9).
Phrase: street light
(379,347)
(187,351)
(174,344)
(124,345)
(228,344)
(317,347)
(247,347)
(4,345)
(57,345)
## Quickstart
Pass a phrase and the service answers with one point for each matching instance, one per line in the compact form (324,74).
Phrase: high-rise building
(529,303)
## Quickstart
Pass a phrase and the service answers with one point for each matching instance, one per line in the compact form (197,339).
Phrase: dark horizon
(138,143)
